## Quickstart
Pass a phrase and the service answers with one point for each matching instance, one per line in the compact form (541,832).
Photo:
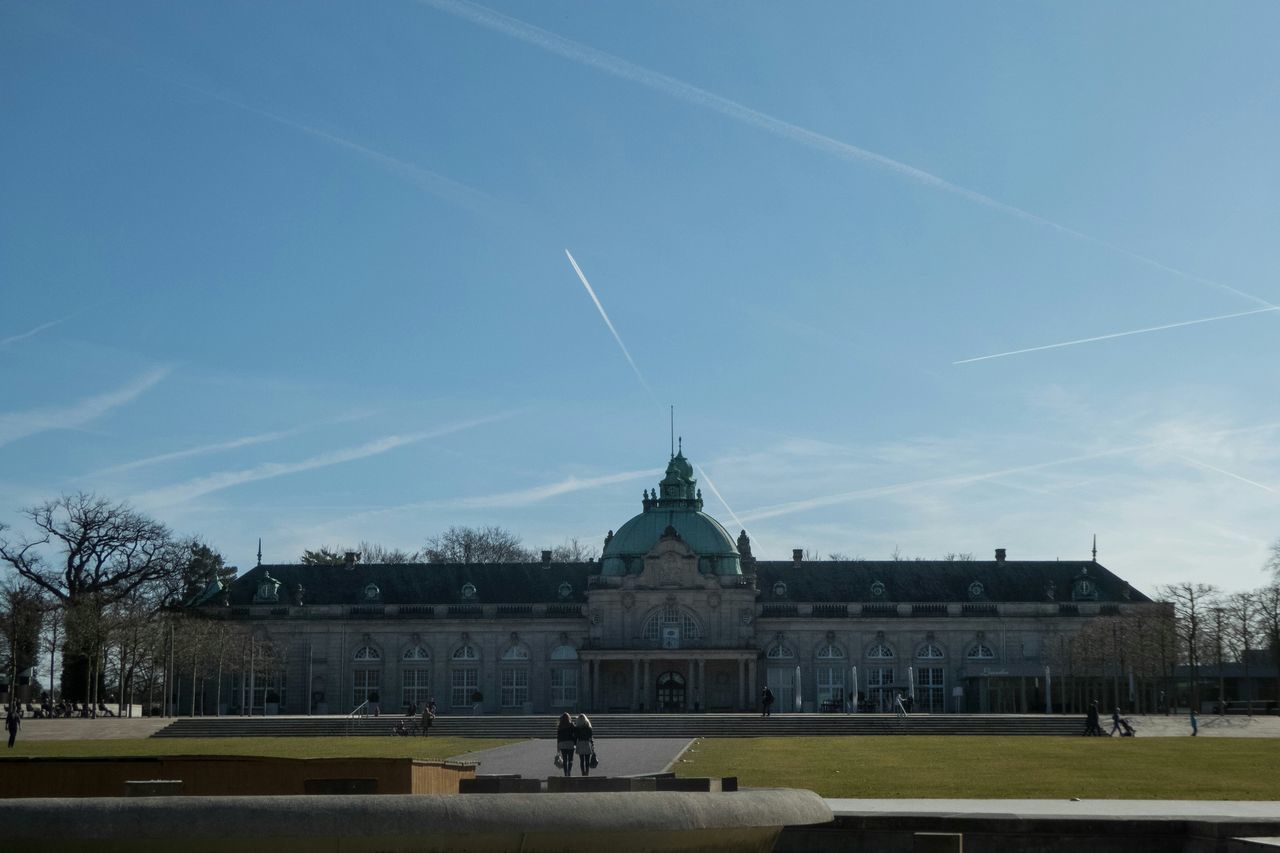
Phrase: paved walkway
(1178,809)
(533,759)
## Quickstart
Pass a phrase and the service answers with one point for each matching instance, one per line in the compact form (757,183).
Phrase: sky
(918,278)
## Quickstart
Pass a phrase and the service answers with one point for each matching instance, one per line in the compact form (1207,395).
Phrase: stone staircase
(638,725)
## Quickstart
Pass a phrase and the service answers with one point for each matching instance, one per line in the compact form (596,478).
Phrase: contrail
(711,483)
(16,425)
(607,322)
(37,330)
(1225,473)
(234,444)
(618,67)
(424,179)
(1117,335)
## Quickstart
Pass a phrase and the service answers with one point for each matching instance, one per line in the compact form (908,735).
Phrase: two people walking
(575,736)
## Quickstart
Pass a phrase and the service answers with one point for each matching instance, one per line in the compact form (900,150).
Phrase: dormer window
(780,589)
(468,590)
(565,589)
(877,589)
(976,590)
(372,593)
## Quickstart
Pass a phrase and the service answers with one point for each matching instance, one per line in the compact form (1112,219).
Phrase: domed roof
(677,504)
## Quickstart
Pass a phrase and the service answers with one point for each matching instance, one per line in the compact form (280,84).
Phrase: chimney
(546,558)
(797,555)
(352,557)
(999,555)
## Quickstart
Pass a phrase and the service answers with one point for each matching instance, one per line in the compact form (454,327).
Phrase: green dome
(677,504)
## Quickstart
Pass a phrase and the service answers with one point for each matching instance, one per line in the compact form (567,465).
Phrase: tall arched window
(415,677)
(564,677)
(828,674)
(464,675)
(880,682)
(366,675)
(513,677)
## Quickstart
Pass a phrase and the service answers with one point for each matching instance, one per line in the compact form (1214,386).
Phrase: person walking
(12,722)
(1115,723)
(766,701)
(566,740)
(901,708)
(585,743)
(1093,722)
(1195,726)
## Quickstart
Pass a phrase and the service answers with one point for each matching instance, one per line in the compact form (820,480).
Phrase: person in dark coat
(1092,722)
(566,740)
(586,745)
(12,722)
(1115,723)
(766,701)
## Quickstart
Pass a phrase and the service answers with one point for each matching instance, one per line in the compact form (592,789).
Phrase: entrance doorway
(671,692)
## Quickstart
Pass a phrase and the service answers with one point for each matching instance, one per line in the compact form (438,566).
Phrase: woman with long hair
(566,739)
(586,744)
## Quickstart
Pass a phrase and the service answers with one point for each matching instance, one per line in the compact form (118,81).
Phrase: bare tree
(574,551)
(476,545)
(1191,605)
(89,553)
(1273,561)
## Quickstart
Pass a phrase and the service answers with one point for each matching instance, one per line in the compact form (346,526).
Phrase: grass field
(289,747)
(999,767)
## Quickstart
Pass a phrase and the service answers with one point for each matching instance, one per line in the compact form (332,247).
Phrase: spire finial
(259,550)
(680,445)
(1095,547)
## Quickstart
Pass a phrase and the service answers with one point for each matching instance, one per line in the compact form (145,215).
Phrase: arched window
(415,677)
(464,675)
(564,677)
(366,675)
(981,652)
(661,624)
(778,651)
(468,591)
(880,652)
(513,676)
(517,654)
(929,652)
(828,675)
(565,589)
(830,652)
(564,653)
(417,653)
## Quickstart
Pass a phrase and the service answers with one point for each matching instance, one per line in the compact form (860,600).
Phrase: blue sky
(298,271)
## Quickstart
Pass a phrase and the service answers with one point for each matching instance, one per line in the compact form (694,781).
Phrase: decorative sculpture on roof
(268,589)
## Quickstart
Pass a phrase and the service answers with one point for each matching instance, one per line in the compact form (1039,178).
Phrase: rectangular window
(462,683)
(564,688)
(366,683)
(267,684)
(830,681)
(880,692)
(929,690)
(416,684)
(515,687)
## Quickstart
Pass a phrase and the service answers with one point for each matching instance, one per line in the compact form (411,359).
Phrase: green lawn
(999,767)
(288,747)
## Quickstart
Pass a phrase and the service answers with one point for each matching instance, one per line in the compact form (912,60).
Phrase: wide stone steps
(636,725)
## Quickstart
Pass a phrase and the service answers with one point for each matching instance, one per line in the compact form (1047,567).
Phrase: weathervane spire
(259,550)
(1095,547)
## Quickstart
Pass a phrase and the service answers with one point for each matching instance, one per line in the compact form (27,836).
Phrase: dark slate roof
(421,583)
(936,580)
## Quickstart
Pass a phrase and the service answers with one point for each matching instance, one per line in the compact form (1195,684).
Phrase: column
(702,684)
(751,682)
(595,685)
(644,687)
(742,685)
(635,684)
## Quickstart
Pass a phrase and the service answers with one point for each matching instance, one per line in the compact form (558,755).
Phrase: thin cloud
(538,494)
(33,332)
(424,179)
(16,425)
(609,323)
(618,67)
(182,492)
(1225,473)
(1117,335)
(805,504)
(202,450)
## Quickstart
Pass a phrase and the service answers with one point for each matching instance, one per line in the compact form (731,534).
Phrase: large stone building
(677,615)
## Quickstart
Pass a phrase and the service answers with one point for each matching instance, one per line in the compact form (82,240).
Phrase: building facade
(676,616)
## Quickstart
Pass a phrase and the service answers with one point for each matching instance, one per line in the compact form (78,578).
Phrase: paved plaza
(533,759)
